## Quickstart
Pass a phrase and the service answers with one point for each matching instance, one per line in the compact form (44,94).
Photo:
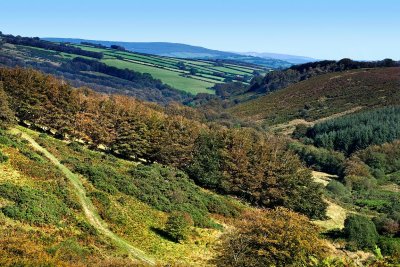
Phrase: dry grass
(336,214)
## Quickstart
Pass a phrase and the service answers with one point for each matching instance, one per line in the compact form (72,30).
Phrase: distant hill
(325,95)
(289,58)
(182,51)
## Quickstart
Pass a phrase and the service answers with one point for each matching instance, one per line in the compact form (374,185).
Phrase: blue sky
(320,29)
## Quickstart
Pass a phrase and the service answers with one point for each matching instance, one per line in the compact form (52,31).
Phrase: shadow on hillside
(162,233)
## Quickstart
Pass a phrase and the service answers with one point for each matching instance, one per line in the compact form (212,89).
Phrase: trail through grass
(337,214)
(88,207)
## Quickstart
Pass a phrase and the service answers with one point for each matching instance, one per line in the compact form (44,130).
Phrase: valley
(166,154)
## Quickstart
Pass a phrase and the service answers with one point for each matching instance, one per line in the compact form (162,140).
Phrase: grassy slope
(169,77)
(87,205)
(131,220)
(325,95)
(165,69)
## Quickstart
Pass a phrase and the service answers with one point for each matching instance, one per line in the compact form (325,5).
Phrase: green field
(169,77)
(169,70)
(192,76)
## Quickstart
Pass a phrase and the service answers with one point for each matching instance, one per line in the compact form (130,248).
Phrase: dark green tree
(205,167)
(360,232)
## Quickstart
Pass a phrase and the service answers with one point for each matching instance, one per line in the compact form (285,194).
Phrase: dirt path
(88,207)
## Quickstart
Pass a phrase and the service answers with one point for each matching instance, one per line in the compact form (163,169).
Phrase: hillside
(151,77)
(134,206)
(182,51)
(128,181)
(325,95)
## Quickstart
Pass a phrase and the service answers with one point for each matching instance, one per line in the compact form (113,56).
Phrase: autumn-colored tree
(276,237)
(7,117)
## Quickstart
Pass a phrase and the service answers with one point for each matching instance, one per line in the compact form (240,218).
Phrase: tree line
(357,131)
(60,47)
(242,162)
(279,79)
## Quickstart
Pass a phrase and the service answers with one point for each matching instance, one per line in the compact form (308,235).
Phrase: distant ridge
(289,58)
(182,51)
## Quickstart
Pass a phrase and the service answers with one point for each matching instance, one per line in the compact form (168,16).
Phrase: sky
(322,29)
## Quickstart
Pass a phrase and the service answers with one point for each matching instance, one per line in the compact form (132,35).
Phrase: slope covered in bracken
(325,95)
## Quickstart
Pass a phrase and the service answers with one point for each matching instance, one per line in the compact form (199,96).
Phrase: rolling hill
(325,95)
(183,51)
(165,77)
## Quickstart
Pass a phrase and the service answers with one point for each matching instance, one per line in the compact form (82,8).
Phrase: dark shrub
(178,226)
(360,232)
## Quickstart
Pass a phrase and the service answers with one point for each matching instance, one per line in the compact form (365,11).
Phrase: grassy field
(170,70)
(171,78)
(187,75)
(325,95)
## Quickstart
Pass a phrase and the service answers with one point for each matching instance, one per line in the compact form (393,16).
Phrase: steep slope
(87,205)
(74,220)
(325,95)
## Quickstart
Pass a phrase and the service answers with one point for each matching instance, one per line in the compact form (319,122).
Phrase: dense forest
(358,131)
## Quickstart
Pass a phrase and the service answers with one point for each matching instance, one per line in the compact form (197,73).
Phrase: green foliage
(178,226)
(319,158)
(101,177)
(31,205)
(390,247)
(360,233)
(339,190)
(206,163)
(161,187)
(170,190)
(358,131)
(3,158)
(7,116)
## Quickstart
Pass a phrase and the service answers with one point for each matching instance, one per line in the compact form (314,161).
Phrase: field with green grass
(179,73)
(191,76)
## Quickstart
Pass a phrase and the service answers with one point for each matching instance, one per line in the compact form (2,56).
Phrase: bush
(339,191)
(360,233)
(3,158)
(390,247)
(319,158)
(178,226)
(360,183)
(31,205)
(276,237)
(169,190)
